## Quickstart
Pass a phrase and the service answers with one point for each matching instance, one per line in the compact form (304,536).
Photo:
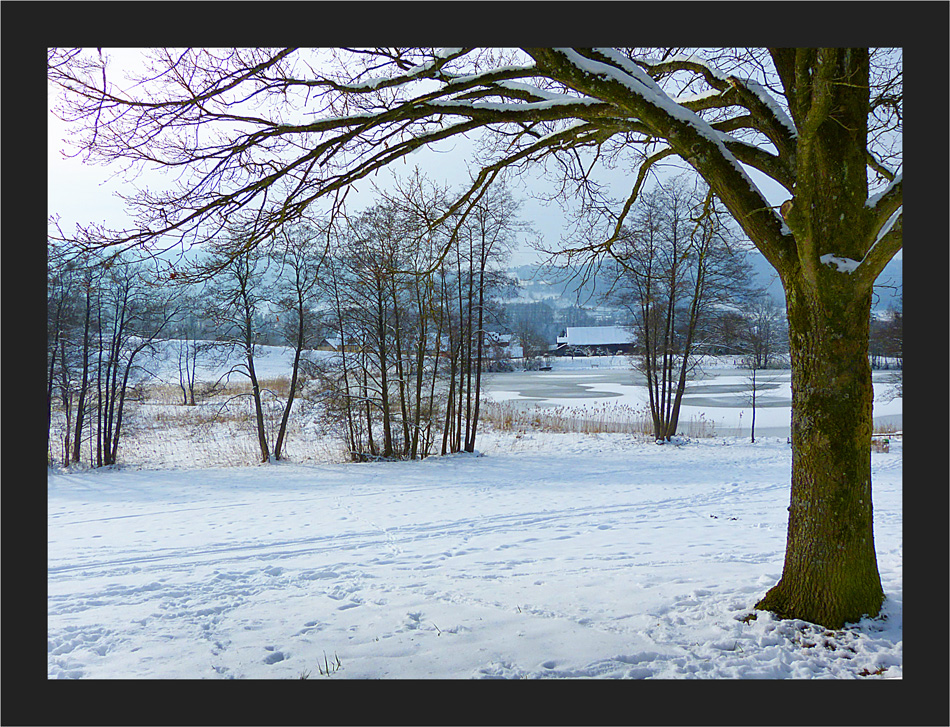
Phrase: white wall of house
(595,336)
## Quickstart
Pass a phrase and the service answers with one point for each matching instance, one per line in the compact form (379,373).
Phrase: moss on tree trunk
(830,575)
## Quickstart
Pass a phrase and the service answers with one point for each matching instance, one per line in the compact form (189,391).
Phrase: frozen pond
(720,394)
(544,387)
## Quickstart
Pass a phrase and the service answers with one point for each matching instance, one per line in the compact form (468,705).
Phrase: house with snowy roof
(335,343)
(594,341)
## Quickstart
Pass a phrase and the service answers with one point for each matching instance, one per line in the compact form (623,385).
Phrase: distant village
(553,319)
(575,341)
(503,349)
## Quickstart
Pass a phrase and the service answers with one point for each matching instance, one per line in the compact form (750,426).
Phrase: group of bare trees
(408,304)
(678,271)
(103,319)
(403,302)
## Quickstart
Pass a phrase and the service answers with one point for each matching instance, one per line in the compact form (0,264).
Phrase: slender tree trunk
(99,397)
(112,386)
(84,379)
(298,349)
(258,408)
(830,575)
(470,441)
(285,417)
(692,322)
(436,359)
(467,357)
(248,334)
(50,381)
(369,411)
(420,354)
(448,432)
(67,402)
(123,389)
(350,412)
(187,362)
(753,402)
(404,408)
(384,372)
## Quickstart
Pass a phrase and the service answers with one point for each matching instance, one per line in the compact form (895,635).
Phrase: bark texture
(830,576)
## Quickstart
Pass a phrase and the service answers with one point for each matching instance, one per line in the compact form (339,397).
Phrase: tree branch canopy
(263,134)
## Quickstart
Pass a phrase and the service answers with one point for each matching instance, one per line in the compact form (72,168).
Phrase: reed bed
(602,419)
(606,418)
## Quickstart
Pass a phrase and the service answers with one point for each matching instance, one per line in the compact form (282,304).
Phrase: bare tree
(300,251)
(761,338)
(372,285)
(677,266)
(265,134)
(417,320)
(488,234)
(64,319)
(233,300)
(118,313)
(191,347)
(763,332)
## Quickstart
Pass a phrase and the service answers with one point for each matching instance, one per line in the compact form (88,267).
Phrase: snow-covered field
(550,555)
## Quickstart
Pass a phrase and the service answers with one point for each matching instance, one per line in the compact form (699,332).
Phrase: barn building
(594,341)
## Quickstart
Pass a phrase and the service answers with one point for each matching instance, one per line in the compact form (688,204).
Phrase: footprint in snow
(413,620)
(275,656)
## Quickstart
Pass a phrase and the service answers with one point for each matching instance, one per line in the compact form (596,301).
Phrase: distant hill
(537,283)
(889,286)
(887,289)
(540,285)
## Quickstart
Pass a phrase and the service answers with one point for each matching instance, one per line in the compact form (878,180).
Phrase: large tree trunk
(830,575)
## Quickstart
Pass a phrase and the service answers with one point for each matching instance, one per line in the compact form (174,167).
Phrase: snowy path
(551,556)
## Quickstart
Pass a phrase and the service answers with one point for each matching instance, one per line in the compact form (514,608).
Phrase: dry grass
(698,427)
(220,431)
(886,429)
(605,419)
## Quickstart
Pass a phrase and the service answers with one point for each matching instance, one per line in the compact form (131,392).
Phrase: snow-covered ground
(550,555)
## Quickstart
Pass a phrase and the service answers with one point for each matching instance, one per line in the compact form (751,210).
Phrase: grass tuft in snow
(328,667)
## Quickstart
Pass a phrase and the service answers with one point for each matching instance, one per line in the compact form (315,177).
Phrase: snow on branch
(886,228)
(519,108)
(769,102)
(842,264)
(637,81)
(874,200)
(751,94)
(847,265)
